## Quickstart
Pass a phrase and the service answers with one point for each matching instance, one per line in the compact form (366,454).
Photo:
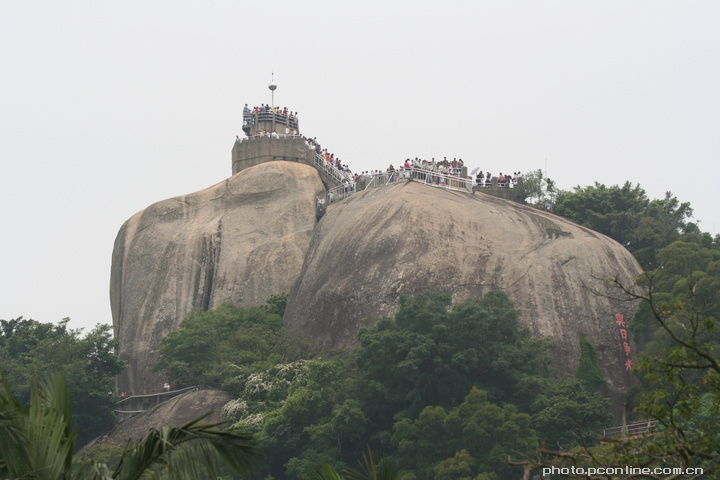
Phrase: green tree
(432,355)
(537,190)
(214,347)
(568,414)
(665,221)
(276,304)
(625,214)
(37,442)
(488,433)
(588,372)
(424,361)
(87,362)
(459,467)
(681,377)
(615,211)
(315,423)
(372,467)
(690,264)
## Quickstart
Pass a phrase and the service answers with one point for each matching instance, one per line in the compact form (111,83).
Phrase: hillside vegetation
(431,381)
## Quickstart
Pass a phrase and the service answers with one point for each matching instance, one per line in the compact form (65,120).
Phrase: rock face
(406,238)
(239,241)
(176,411)
(256,234)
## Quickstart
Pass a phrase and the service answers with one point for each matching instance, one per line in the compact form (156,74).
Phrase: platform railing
(135,404)
(336,194)
(630,430)
(251,118)
(278,136)
(427,177)
(339,176)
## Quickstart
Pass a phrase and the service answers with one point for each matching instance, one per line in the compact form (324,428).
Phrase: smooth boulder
(239,241)
(407,238)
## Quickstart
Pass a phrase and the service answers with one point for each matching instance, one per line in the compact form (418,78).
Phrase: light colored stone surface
(176,411)
(255,235)
(239,241)
(407,238)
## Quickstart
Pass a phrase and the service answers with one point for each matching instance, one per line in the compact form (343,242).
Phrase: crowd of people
(265,133)
(331,161)
(485,180)
(248,112)
(439,168)
(282,116)
(444,166)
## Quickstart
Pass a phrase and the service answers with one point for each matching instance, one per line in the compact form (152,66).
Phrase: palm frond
(92,471)
(370,470)
(170,448)
(322,471)
(13,439)
(36,441)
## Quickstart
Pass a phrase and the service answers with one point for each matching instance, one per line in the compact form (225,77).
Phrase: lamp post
(272,86)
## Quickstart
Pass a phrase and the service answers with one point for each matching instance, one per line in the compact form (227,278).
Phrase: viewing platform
(273,134)
(269,118)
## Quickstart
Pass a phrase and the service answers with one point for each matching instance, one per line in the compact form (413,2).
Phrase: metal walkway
(365,182)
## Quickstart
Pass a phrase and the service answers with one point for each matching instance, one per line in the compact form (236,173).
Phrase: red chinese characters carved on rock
(620,321)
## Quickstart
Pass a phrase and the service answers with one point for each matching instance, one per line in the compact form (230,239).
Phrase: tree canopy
(484,432)
(87,362)
(431,356)
(627,215)
(213,347)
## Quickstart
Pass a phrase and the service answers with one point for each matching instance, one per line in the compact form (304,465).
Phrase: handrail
(337,175)
(428,177)
(336,194)
(340,177)
(122,415)
(284,136)
(152,395)
(635,428)
(252,118)
(374,180)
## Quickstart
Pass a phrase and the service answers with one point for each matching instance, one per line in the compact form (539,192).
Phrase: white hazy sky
(109,106)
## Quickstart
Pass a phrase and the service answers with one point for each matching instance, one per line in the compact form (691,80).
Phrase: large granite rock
(256,234)
(239,241)
(176,411)
(407,238)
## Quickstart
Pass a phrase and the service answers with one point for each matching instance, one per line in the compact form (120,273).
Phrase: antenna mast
(272,86)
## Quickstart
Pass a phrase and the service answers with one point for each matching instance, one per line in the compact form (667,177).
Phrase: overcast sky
(107,107)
